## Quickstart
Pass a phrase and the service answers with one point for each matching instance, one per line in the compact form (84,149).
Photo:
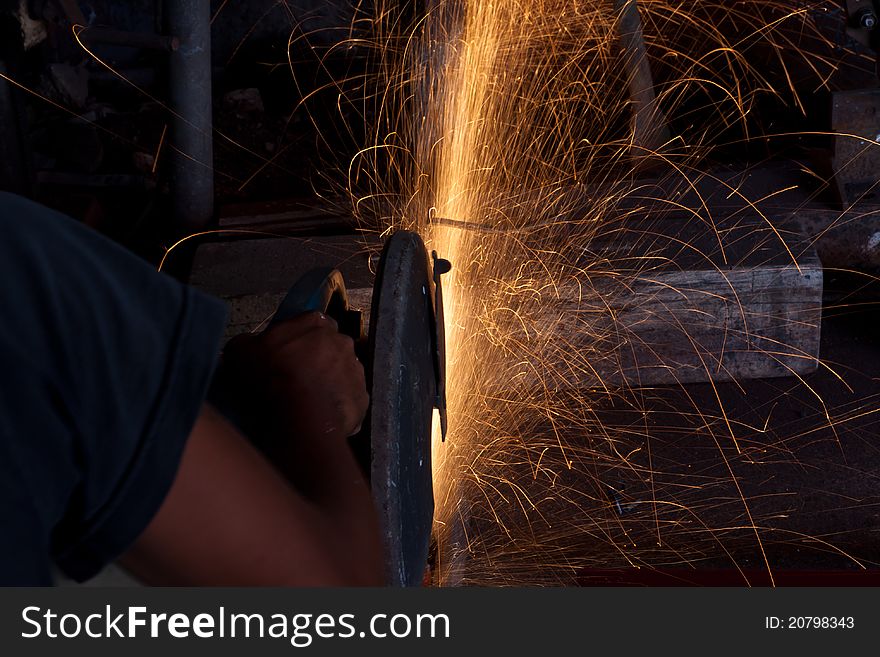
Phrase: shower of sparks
(502,131)
(503,134)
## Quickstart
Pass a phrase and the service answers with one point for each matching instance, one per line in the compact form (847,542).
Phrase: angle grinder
(403,353)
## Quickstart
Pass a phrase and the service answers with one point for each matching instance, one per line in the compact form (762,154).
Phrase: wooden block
(848,240)
(689,305)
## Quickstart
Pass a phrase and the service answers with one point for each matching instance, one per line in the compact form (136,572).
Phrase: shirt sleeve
(118,360)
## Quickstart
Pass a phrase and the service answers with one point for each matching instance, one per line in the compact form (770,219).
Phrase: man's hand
(233,519)
(304,375)
(303,392)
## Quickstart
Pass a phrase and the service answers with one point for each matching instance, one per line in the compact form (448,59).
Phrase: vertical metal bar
(648,122)
(191,135)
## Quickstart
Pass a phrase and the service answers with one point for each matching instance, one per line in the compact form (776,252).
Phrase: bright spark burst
(501,130)
(503,134)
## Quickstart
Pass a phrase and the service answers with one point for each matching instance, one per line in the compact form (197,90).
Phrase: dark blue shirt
(104,365)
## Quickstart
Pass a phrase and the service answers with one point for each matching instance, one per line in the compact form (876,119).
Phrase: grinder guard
(405,382)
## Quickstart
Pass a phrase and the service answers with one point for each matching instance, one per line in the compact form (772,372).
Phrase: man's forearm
(231,519)
(325,471)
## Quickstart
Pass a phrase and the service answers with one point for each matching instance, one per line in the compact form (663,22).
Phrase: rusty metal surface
(844,240)
(855,120)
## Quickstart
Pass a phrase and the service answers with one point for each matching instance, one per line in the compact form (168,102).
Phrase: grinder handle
(319,290)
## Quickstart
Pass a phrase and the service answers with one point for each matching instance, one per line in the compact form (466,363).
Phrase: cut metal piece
(650,131)
(404,390)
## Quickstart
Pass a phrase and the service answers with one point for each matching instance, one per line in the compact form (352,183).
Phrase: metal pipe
(191,152)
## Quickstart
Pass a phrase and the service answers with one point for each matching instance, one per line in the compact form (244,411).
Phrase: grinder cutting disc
(405,384)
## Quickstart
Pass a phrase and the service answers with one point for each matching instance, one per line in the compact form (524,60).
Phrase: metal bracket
(862,21)
(441,267)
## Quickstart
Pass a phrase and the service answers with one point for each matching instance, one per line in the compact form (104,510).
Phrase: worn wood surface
(691,302)
(695,326)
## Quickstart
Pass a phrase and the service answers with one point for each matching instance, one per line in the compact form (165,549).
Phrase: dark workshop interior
(661,363)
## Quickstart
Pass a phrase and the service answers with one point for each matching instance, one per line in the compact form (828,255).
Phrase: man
(109,451)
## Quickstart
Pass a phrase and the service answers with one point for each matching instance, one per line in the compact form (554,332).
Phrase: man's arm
(231,519)
(306,519)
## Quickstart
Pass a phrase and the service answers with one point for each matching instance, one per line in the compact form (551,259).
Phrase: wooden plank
(848,240)
(690,303)
(694,326)
(671,300)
